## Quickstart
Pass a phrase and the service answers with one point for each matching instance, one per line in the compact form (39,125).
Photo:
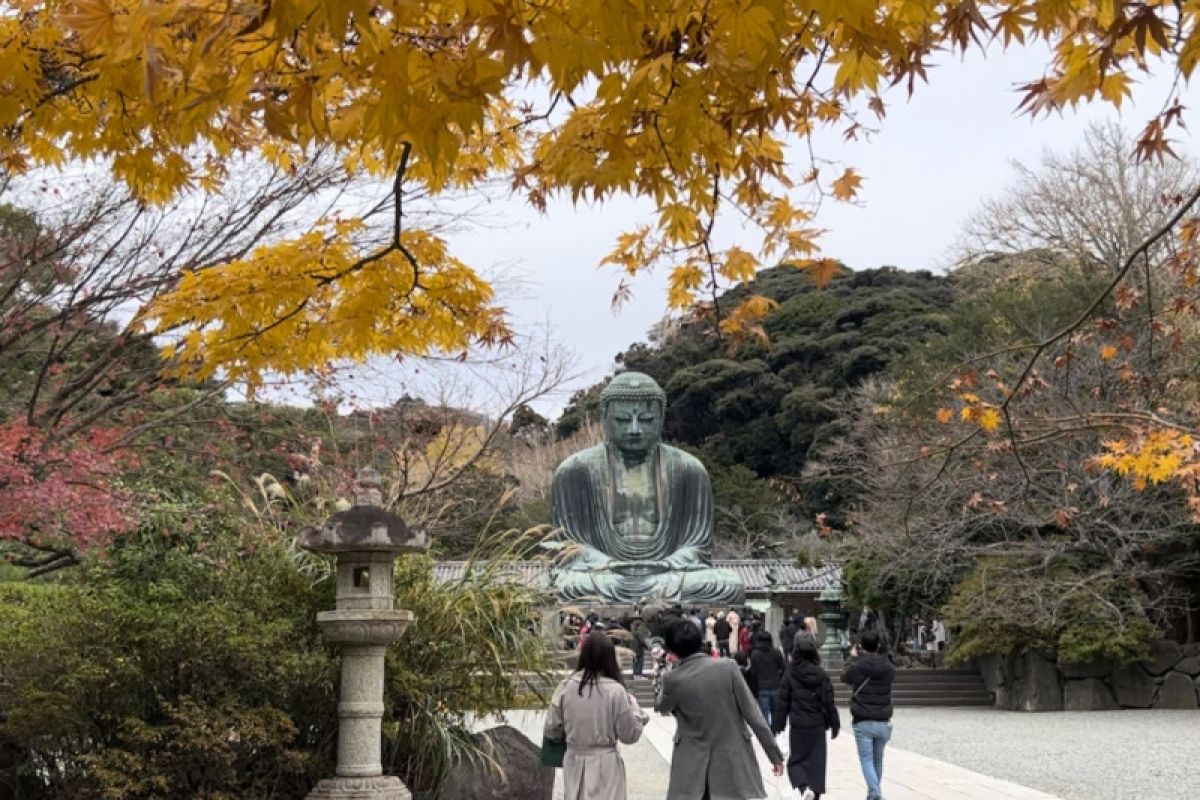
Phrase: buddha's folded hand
(639,567)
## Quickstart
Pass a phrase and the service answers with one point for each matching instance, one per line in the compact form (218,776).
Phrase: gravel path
(1107,755)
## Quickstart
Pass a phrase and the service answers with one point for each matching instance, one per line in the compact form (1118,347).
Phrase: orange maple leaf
(822,270)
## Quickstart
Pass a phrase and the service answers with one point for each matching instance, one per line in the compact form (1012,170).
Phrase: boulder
(1035,685)
(1189,666)
(521,775)
(1191,649)
(1088,694)
(1091,669)
(991,670)
(1177,691)
(1133,686)
(1164,654)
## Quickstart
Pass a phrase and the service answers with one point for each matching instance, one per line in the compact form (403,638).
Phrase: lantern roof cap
(365,527)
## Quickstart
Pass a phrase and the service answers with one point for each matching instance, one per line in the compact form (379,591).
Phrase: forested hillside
(757,411)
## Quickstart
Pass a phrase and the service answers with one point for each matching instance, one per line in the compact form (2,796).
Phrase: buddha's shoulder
(582,460)
(682,458)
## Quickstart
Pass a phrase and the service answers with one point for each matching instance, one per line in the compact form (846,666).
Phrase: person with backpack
(869,675)
(805,705)
(768,667)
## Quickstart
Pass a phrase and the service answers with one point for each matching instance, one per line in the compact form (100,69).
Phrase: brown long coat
(592,724)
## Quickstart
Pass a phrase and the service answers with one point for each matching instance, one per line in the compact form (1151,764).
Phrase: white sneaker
(808,794)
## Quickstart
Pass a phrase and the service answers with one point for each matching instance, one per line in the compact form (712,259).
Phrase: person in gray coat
(713,757)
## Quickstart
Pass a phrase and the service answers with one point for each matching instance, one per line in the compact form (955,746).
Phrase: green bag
(553,752)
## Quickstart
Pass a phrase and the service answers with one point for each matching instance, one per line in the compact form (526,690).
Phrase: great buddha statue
(636,515)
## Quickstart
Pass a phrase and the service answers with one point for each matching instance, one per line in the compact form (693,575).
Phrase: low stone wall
(1031,681)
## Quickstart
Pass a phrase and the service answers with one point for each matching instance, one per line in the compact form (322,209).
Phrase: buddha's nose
(635,427)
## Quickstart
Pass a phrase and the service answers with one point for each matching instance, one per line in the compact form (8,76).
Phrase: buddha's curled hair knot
(635,386)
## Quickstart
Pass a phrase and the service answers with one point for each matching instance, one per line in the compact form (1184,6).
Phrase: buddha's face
(633,426)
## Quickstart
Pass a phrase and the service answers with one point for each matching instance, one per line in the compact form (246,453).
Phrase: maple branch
(1041,347)
(54,559)
(131,435)
(712,270)
(394,245)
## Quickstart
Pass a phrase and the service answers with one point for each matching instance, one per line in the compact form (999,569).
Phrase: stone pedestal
(381,787)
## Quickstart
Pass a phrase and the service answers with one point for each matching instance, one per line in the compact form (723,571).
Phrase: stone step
(931,691)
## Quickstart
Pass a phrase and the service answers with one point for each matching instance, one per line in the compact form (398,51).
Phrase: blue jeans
(871,736)
(766,701)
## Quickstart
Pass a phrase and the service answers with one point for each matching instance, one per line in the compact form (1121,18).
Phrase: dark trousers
(723,648)
(639,661)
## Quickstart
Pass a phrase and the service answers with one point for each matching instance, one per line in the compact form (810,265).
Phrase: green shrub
(1005,606)
(202,677)
(188,664)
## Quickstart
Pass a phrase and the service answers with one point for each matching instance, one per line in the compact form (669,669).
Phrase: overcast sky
(936,157)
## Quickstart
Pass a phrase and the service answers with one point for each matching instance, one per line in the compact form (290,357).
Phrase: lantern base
(380,787)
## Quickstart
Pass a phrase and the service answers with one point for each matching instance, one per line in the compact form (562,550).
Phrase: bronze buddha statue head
(633,405)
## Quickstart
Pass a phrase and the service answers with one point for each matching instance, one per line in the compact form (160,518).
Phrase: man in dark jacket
(721,630)
(768,666)
(787,637)
(870,674)
(641,643)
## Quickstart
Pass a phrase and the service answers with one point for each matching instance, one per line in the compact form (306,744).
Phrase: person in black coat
(768,667)
(743,662)
(870,675)
(787,635)
(722,629)
(805,704)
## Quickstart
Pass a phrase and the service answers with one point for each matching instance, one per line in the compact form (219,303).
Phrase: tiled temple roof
(758,575)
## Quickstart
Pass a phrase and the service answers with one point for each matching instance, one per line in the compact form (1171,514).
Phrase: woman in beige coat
(593,711)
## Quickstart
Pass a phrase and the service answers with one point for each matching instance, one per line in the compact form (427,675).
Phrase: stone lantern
(365,541)
(831,615)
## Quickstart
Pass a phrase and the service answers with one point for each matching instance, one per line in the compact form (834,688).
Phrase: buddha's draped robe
(583,502)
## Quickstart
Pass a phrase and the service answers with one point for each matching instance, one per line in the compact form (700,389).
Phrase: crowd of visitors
(770,686)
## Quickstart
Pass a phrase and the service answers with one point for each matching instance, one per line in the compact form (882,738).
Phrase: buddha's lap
(703,584)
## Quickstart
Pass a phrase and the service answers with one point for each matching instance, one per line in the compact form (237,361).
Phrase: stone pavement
(907,776)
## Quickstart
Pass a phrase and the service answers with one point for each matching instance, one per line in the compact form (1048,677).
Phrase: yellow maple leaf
(93,20)
(739,265)
(846,187)
(989,419)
